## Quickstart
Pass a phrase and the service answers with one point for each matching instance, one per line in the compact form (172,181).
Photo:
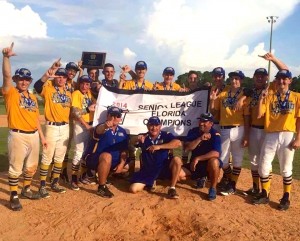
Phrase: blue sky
(184,34)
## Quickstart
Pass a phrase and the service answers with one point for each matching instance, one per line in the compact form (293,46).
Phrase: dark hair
(90,69)
(193,72)
(109,65)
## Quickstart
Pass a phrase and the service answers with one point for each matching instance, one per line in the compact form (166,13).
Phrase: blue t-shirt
(153,163)
(109,141)
(213,144)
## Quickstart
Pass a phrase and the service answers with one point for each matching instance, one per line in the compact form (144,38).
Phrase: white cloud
(21,22)
(128,53)
(214,33)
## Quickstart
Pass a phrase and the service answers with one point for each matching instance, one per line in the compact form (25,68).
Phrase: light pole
(271,19)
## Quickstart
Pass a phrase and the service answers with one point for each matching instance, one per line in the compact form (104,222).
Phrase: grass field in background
(246,162)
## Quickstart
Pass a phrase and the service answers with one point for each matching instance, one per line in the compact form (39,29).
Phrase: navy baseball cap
(85,79)
(23,73)
(169,70)
(61,72)
(141,65)
(114,110)
(218,71)
(285,73)
(238,73)
(206,117)
(261,71)
(153,120)
(72,65)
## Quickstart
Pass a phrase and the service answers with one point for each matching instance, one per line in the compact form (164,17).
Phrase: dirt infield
(82,215)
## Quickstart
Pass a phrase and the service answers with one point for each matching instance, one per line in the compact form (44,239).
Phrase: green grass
(246,162)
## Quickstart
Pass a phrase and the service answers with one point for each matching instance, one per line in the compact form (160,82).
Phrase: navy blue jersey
(153,163)
(213,144)
(109,141)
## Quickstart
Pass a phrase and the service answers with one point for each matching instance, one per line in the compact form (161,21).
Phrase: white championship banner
(178,111)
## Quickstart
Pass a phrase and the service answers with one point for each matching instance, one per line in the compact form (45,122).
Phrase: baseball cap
(238,73)
(61,72)
(23,73)
(85,78)
(153,120)
(141,65)
(262,71)
(72,65)
(169,70)
(285,73)
(218,71)
(206,117)
(114,110)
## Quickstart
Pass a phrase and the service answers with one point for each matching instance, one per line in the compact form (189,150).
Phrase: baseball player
(138,83)
(156,161)
(107,150)
(257,132)
(23,122)
(282,121)
(193,80)
(57,99)
(83,108)
(72,70)
(234,129)
(168,84)
(205,144)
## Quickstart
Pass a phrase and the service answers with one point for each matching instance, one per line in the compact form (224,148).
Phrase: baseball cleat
(15,204)
(200,183)
(172,193)
(284,203)
(27,193)
(74,186)
(229,190)
(56,188)
(262,199)
(103,191)
(43,192)
(254,192)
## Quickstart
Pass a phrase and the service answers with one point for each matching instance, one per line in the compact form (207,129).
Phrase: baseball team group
(264,118)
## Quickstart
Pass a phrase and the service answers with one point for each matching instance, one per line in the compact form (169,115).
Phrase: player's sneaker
(64,176)
(200,183)
(228,190)
(212,194)
(14,203)
(103,191)
(74,186)
(172,193)
(284,203)
(223,183)
(254,192)
(261,199)
(27,193)
(43,192)
(56,188)
(87,181)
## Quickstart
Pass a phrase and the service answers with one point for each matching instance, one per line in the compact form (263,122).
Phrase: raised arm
(6,67)
(278,63)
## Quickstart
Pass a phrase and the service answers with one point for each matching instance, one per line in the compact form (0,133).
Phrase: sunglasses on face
(116,115)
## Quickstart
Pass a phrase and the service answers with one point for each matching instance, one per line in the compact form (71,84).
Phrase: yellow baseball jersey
(217,113)
(173,86)
(57,102)
(82,101)
(134,85)
(225,106)
(22,110)
(281,115)
(254,109)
